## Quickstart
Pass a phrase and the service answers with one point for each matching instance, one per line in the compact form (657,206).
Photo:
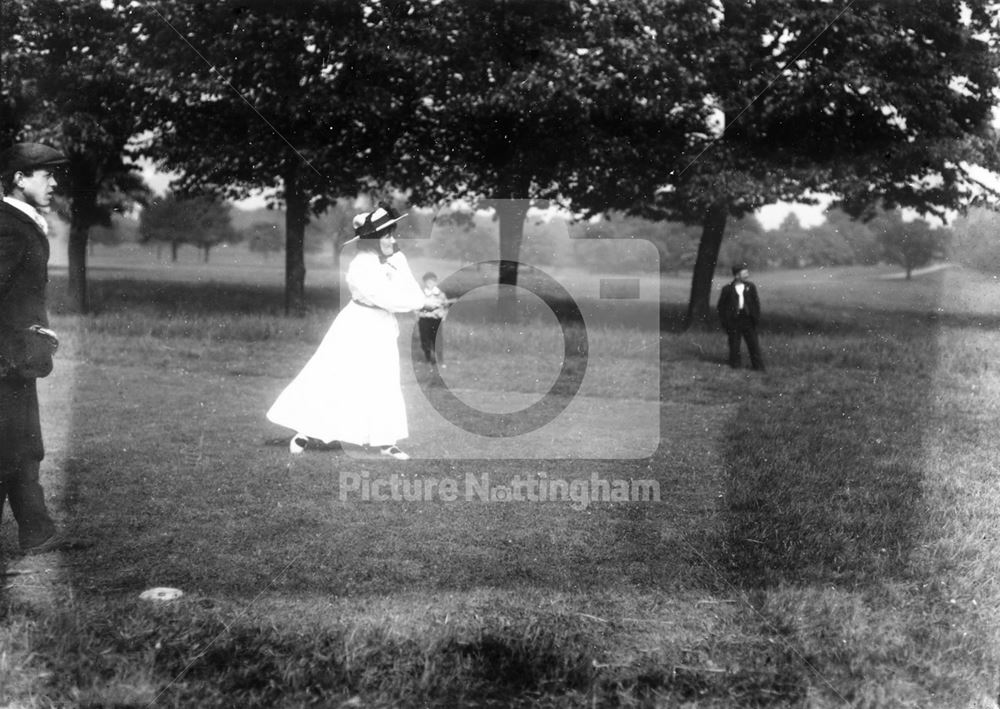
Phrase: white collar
(36,217)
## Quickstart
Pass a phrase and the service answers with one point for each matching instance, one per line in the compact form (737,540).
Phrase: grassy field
(826,534)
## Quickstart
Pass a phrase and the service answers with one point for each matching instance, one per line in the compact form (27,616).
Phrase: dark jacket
(729,304)
(24,256)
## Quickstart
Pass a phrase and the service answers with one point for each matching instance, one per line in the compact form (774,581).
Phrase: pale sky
(809,215)
(770,216)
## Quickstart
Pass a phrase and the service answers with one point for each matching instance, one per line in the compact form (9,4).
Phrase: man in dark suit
(739,311)
(27,180)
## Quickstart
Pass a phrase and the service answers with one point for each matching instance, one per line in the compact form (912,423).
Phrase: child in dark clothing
(429,318)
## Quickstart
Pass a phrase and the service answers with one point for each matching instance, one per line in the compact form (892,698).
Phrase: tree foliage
(201,221)
(523,100)
(856,234)
(679,110)
(606,244)
(67,82)
(264,238)
(700,112)
(464,236)
(911,244)
(872,102)
(750,243)
(122,230)
(977,240)
(299,98)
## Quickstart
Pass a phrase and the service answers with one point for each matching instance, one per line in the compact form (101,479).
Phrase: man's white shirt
(30,211)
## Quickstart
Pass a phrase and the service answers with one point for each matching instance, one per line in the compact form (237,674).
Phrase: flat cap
(29,156)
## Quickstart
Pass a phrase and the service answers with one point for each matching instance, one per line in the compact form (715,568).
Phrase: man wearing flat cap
(739,312)
(26,176)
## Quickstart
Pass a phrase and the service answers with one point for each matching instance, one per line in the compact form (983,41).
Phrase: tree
(200,221)
(856,234)
(977,239)
(301,98)
(211,224)
(163,222)
(264,238)
(676,242)
(463,236)
(524,101)
(870,102)
(123,229)
(826,246)
(910,244)
(336,223)
(788,243)
(750,243)
(66,82)
(604,244)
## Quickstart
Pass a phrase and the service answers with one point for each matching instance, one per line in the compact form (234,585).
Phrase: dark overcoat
(729,304)
(24,258)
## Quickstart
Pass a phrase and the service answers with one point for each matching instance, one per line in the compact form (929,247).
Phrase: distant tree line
(602,245)
(205,221)
(839,240)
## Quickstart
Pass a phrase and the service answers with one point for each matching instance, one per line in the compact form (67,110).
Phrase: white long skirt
(350,390)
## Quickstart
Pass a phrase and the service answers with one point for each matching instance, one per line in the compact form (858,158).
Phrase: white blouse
(390,285)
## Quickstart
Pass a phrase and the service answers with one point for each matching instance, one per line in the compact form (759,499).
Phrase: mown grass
(827,536)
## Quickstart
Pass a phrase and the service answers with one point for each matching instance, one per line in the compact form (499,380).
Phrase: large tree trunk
(83,180)
(295,233)
(511,213)
(699,313)
(78,233)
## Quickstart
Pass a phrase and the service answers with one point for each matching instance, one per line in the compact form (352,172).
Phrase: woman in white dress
(350,390)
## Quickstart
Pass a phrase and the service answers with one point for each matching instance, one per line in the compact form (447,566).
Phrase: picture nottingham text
(532,488)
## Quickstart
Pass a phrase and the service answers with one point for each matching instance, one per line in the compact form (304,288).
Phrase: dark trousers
(744,329)
(428,338)
(19,484)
